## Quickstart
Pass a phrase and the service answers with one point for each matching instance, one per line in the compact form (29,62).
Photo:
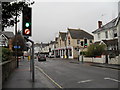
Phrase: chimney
(99,24)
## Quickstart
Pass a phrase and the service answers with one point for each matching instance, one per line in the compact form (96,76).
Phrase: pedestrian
(78,58)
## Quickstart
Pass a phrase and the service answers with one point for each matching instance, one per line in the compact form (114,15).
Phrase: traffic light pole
(16,56)
(32,62)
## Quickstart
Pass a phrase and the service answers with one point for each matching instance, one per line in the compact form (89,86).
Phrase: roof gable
(7,34)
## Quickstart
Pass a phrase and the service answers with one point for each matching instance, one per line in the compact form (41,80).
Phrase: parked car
(41,57)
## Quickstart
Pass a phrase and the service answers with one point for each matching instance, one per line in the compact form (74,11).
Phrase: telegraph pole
(16,55)
(119,28)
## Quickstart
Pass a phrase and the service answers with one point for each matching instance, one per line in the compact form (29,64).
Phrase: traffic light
(27,21)
(85,43)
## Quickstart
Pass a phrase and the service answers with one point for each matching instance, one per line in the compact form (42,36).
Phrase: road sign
(27,31)
(17,47)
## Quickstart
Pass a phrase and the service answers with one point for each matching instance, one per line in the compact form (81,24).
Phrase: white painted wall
(101,60)
(103,36)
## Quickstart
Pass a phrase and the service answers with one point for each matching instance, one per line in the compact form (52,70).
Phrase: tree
(12,9)
(95,50)
(6,54)
(18,40)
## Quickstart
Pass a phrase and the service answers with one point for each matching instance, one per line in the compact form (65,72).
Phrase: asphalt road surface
(71,74)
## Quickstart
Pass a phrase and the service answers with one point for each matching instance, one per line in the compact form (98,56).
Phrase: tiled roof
(63,35)
(79,34)
(8,34)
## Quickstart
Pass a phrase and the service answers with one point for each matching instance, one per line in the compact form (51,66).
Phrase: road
(71,74)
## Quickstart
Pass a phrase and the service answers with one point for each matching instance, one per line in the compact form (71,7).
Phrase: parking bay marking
(84,81)
(107,78)
(49,77)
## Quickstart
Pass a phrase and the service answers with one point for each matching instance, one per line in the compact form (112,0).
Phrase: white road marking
(107,78)
(84,81)
(48,77)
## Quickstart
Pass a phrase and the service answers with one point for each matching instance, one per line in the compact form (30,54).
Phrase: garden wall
(101,59)
(7,68)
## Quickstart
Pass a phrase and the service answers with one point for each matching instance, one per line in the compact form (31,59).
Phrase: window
(90,41)
(70,50)
(78,41)
(115,33)
(60,43)
(98,35)
(81,43)
(106,34)
(68,42)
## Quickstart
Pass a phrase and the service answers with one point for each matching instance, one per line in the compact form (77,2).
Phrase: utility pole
(118,25)
(119,29)
(16,51)
(0,47)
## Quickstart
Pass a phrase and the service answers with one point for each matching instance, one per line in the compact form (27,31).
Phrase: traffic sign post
(32,60)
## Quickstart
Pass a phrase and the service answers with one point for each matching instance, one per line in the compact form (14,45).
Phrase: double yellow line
(41,70)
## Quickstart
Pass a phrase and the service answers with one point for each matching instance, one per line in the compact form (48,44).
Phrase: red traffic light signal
(27,19)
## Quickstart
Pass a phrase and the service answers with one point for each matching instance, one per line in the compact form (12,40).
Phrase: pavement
(21,77)
(111,66)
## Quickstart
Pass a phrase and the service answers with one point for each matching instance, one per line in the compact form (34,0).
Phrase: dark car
(41,57)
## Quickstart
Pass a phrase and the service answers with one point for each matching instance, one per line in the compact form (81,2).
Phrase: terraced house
(72,42)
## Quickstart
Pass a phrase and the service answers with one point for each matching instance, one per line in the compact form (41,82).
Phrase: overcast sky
(51,17)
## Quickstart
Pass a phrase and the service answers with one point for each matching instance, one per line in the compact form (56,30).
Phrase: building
(52,46)
(72,42)
(41,48)
(117,24)
(60,45)
(6,39)
(107,34)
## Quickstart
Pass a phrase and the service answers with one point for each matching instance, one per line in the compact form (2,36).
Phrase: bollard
(28,58)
